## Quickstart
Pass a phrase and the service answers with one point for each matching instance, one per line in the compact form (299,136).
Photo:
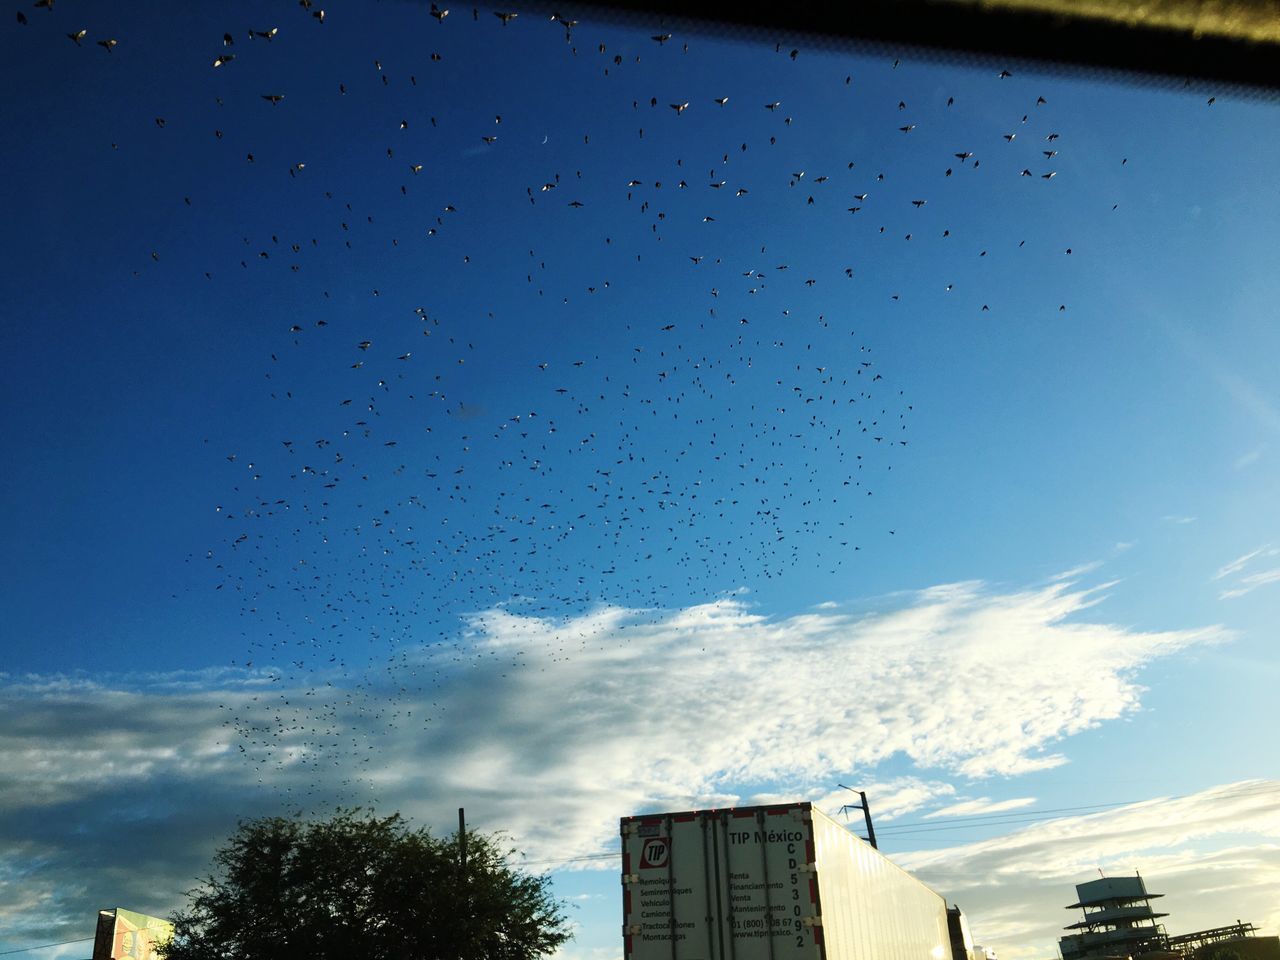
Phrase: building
(1118,923)
(125,935)
(1118,920)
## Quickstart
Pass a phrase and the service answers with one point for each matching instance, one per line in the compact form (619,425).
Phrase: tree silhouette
(364,886)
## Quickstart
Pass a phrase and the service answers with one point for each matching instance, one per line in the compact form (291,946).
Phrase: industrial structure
(1119,923)
(1118,920)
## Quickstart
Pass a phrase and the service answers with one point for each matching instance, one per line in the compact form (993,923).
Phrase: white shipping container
(769,883)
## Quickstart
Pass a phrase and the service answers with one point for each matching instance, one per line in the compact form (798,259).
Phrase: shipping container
(770,883)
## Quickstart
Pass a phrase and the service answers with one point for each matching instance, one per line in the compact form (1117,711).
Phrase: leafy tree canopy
(362,886)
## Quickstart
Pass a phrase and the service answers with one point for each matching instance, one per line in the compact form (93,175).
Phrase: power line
(1027,816)
(976,820)
(44,946)
(999,817)
(584,857)
(944,827)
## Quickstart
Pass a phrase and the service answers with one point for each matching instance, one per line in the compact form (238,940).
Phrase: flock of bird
(659,406)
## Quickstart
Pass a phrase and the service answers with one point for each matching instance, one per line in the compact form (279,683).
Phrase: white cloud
(1239,563)
(553,729)
(687,708)
(1250,457)
(1077,572)
(1250,582)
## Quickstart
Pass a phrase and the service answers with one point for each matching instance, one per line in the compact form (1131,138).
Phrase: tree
(368,887)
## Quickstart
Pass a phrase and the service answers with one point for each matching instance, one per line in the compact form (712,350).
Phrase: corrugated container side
(872,909)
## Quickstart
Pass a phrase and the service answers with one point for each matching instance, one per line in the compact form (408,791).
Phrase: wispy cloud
(1178,518)
(1249,582)
(1252,582)
(1075,573)
(1239,563)
(1249,458)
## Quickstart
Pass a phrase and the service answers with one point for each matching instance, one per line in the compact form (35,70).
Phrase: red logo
(655,852)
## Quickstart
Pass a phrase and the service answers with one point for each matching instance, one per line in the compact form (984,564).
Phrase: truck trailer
(770,883)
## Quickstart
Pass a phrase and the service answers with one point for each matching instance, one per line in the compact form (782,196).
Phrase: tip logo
(654,853)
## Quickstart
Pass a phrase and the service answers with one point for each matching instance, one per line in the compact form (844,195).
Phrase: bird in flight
(505,17)
(273,98)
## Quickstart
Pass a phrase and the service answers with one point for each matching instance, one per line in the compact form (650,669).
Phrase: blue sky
(411,512)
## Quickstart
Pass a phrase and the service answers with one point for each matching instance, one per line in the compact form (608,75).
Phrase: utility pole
(465,912)
(462,840)
(866,813)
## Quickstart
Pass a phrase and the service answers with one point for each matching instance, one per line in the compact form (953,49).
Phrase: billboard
(125,935)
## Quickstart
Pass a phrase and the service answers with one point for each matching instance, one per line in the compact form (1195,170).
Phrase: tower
(1118,921)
